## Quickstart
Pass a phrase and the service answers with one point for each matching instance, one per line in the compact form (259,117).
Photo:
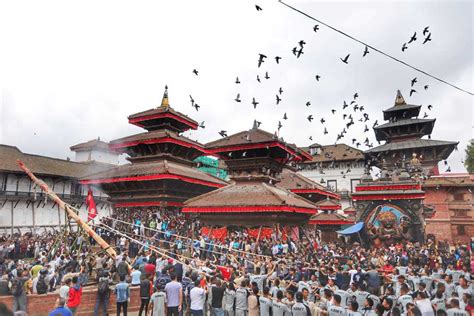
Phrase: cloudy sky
(73,71)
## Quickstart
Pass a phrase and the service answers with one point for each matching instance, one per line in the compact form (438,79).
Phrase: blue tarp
(352,229)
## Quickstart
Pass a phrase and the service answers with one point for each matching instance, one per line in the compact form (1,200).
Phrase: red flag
(92,210)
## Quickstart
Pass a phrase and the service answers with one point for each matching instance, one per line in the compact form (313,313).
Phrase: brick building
(452,198)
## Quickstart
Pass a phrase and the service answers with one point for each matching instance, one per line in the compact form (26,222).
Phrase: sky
(73,71)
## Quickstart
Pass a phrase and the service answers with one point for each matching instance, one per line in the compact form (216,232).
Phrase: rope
(375,49)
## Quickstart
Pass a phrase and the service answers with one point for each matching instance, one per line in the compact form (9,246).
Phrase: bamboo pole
(69,210)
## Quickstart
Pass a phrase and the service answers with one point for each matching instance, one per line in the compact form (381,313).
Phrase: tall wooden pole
(12,217)
(69,210)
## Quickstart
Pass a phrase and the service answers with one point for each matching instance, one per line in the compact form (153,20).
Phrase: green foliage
(469,161)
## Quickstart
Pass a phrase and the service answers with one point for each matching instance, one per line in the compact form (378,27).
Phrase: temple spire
(165,101)
(399,100)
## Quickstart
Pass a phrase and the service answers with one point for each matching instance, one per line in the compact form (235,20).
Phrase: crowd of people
(179,271)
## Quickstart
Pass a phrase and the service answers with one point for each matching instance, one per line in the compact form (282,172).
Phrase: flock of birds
(352,112)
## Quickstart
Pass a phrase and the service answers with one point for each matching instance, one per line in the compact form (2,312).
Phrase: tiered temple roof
(403,135)
(162,171)
(255,159)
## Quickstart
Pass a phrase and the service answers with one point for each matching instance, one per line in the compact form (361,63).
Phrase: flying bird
(449,169)
(426,87)
(237,99)
(325,131)
(356,95)
(308,103)
(285,117)
(277,59)
(412,91)
(195,72)
(279,125)
(237,81)
(261,59)
(322,121)
(404,47)
(413,81)
(309,118)
(333,111)
(427,39)
(316,28)
(425,30)
(202,125)
(376,123)
(302,43)
(430,107)
(366,129)
(280,90)
(344,105)
(299,52)
(345,59)
(366,51)
(412,39)
(254,103)
(278,99)
(258,78)
(192,100)
(317,77)
(196,106)
(425,115)
(223,133)
(311,138)
(266,75)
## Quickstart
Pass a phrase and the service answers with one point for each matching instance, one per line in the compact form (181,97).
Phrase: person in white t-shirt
(198,297)
(455,310)
(158,302)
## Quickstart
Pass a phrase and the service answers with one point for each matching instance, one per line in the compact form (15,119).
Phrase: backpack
(103,287)
(17,287)
(41,286)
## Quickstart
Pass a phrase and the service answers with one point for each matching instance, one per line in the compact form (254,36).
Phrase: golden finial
(165,101)
(399,100)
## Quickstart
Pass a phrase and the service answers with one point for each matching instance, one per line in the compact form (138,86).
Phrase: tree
(469,162)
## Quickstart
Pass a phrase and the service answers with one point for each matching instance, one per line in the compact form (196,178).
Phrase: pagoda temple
(255,160)
(403,138)
(161,171)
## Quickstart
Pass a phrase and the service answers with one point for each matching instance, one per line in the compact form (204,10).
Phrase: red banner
(266,232)
(91,208)
(215,233)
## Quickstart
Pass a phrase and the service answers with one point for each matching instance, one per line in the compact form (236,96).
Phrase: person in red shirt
(75,295)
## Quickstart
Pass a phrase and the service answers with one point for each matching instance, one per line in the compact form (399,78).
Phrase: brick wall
(41,305)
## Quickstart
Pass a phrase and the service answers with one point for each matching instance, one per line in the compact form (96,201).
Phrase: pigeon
(254,103)
(430,107)
(261,59)
(366,129)
(449,169)
(280,90)
(195,72)
(266,75)
(427,39)
(308,103)
(356,95)
(278,99)
(317,77)
(237,99)
(285,117)
(376,123)
(333,111)
(361,108)
(404,47)
(202,125)
(353,141)
(412,39)
(258,78)
(344,116)
(302,43)
(426,87)
(311,138)
(345,59)
(425,115)
(316,28)
(309,118)
(277,59)
(445,162)
(223,133)
(192,100)
(412,91)
(344,105)
(196,106)
(294,51)
(425,30)
(413,81)
(366,51)
(258,8)
(325,131)
(299,52)
(322,121)
(237,81)
(258,123)
(279,125)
